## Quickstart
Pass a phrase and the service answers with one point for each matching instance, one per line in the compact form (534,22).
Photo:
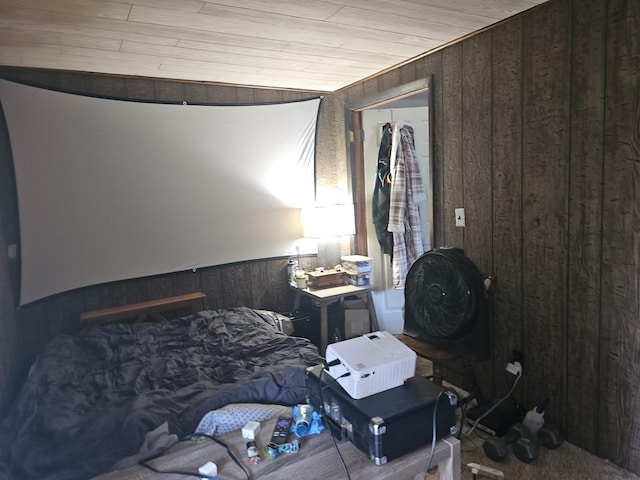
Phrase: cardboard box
(356,318)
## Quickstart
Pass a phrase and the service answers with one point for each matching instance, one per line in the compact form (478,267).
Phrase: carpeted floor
(567,462)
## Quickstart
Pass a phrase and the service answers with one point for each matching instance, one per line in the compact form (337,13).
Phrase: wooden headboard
(136,312)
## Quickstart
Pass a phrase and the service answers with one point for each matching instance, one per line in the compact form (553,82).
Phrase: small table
(327,296)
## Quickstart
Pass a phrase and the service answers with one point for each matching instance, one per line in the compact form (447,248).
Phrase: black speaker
(446,304)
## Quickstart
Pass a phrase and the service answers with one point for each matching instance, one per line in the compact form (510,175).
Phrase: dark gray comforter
(90,399)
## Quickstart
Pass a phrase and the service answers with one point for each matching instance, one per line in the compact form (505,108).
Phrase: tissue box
(326,279)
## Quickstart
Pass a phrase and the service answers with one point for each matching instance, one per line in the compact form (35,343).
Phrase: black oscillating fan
(446,304)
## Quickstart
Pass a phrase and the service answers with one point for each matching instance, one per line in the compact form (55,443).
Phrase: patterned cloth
(407,190)
(236,415)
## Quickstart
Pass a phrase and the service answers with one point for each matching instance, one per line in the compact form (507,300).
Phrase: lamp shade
(328,221)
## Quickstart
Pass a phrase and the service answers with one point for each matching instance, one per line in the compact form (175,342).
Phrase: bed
(91,399)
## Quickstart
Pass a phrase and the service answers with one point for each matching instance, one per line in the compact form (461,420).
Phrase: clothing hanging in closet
(406,192)
(382,193)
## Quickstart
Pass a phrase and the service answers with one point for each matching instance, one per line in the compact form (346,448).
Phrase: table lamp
(327,223)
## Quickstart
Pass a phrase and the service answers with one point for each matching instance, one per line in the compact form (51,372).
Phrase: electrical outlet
(460,217)
(517,356)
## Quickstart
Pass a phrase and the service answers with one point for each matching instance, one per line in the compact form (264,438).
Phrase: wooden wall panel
(246,95)
(546,99)
(452,168)
(263,95)
(390,80)
(72,82)
(10,374)
(371,87)
(236,286)
(477,163)
(507,195)
(32,333)
(106,86)
(332,169)
(476,149)
(221,94)
(408,73)
(11,361)
(431,66)
(138,89)
(95,297)
(279,294)
(620,378)
(61,316)
(453,193)
(195,92)
(189,281)
(169,91)
(585,218)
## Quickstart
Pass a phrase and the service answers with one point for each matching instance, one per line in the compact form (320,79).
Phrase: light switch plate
(460,217)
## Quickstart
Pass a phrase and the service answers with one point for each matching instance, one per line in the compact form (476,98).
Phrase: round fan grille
(440,294)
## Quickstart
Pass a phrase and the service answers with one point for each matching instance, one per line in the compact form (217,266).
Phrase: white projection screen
(111,190)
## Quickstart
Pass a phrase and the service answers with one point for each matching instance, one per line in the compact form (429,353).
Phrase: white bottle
(534,419)
(292,266)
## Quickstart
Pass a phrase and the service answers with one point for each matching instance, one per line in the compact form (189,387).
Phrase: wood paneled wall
(536,136)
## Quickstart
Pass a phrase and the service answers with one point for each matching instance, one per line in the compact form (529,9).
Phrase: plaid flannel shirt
(407,190)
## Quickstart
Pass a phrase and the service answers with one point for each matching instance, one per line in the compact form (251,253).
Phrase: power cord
(324,414)
(226,447)
(332,363)
(342,462)
(476,390)
(433,436)
(495,405)
(463,414)
(145,461)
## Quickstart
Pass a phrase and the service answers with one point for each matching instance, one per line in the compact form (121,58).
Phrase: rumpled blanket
(91,398)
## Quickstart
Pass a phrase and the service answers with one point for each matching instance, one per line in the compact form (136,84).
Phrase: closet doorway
(408,104)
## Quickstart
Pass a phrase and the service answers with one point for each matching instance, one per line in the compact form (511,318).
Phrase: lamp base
(329,252)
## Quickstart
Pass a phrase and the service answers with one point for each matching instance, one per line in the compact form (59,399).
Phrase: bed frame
(136,312)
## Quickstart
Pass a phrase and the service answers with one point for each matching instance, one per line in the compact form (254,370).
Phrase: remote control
(281,431)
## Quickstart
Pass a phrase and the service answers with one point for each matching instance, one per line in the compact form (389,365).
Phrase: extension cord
(483,471)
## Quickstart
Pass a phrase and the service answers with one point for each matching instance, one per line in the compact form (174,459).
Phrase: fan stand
(438,358)
(431,353)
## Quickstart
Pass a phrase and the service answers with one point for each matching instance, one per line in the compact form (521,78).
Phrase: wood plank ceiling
(320,45)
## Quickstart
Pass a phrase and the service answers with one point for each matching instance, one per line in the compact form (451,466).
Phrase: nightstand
(326,296)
